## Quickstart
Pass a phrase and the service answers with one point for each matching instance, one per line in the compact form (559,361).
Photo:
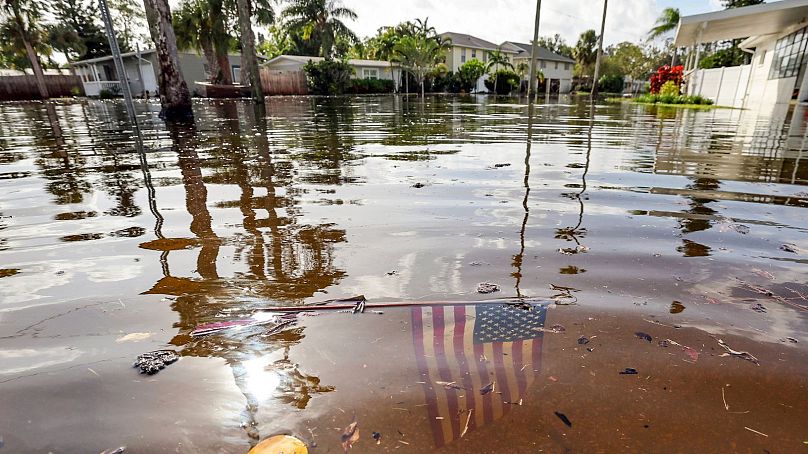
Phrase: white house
(363,69)
(776,36)
(466,47)
(142,71)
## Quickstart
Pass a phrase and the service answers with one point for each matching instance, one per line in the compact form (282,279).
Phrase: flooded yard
(660,253)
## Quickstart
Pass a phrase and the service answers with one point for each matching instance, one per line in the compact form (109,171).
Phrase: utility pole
(116,57)
(600,52)
(531,82)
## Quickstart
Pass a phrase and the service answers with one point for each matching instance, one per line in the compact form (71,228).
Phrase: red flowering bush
(664,74)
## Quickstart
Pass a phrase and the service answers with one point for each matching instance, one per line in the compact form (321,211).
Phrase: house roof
(524,50)
(306,59)
(109,57)
(130,54)
(756,20)
(464,40)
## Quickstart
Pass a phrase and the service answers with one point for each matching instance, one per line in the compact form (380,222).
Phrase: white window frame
(370,73)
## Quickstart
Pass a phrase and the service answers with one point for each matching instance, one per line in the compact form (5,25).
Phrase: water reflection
(314,197)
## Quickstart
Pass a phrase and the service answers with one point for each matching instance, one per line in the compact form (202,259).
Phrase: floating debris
(738,354)
(152,362)
(487,287)
(487,388)
(418,185)
(118,450)
(377,436)
(757,307)
(216,327)
(468,419)
(629,371)
(643,336)
(788,247)
(563,418)
(504,164)
(350,436)
(664,343)
(676,307)
(583,340)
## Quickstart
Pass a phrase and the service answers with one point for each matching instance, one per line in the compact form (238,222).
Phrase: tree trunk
(213,63)
(248,59)
(423,80)
(174,95)
(220,40)
(33,58)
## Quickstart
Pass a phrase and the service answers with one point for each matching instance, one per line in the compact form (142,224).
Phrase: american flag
(465,348)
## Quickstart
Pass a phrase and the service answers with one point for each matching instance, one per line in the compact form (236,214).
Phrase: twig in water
(755,431)
(738,354)
(466,429)
(726,407)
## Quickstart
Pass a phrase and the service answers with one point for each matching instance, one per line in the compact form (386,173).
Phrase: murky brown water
(687,226)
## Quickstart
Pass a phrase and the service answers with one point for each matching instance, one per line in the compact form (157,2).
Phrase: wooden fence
(18,88)
(283,82)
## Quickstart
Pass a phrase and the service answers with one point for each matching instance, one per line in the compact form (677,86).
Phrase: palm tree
(192,24)
(23,17)
(667,21)
(174,95)
(497,58)
(320,21)
(382,46)
(585,50)
(249,61)
(419,55)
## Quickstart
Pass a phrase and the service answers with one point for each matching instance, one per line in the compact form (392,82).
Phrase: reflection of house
(557,69)
(776,34)
(363,69)
(142,71)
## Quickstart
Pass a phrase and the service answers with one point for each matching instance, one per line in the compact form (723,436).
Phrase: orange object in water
(280,444)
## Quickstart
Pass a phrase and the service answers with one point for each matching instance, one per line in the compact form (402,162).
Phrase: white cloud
(501,20)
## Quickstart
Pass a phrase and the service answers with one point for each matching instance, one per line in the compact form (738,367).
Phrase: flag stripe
(518,365)
(460,356)
(420,357)
(441,328)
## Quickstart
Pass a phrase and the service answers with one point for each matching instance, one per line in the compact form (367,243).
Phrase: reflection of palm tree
(301,262)
(573,233)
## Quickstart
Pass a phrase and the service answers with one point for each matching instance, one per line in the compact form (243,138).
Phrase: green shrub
(669,88)
(673,99)
(106,93)
(468,74)
(328,77)
(611,83)
(506,81)
(362,86)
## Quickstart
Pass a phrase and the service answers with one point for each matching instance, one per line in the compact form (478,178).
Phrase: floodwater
(671,230)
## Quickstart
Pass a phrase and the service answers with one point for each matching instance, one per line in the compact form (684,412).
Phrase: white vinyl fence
(724,86)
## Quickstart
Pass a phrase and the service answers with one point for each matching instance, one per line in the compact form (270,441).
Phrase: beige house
(557,69)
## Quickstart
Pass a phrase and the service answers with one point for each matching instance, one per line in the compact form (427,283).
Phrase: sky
(512,20)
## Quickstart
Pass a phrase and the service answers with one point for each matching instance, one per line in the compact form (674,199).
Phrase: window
(463,55)
(370,73)
(762,58)
(473,53)
(789,53)
(566,66)
(543,65)
(236,73)
(556,65)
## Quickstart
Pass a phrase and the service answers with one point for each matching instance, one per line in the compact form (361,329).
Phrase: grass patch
(687,102)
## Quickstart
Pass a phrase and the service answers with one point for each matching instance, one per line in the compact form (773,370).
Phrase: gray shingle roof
(462,39)
(544,53)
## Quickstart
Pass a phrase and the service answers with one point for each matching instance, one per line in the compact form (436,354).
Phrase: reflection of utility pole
(600,52)
(116,57)
(517,259)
